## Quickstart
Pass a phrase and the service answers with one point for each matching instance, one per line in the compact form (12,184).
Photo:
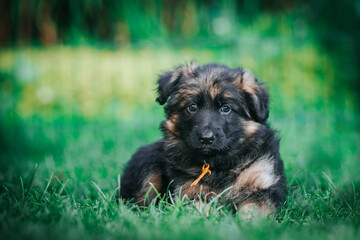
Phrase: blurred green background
(77,83)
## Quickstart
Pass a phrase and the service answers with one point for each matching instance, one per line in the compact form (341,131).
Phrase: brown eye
(225,109)
(193,107)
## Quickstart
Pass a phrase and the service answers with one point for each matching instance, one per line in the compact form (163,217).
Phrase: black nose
(206,137)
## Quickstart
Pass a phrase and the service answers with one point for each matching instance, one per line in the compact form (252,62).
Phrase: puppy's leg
(151,186)
(260,188)
(143,175)
(252,209)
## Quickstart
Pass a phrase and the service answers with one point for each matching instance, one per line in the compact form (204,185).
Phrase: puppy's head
(211,108)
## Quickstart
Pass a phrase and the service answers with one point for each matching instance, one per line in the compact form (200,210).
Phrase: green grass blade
(47,186)
(30,182)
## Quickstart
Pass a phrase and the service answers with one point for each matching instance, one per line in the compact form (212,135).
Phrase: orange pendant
(205,170)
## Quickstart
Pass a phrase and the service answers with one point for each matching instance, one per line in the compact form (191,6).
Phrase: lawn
(72,117)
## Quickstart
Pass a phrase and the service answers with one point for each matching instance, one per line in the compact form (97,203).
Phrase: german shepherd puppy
(215,138)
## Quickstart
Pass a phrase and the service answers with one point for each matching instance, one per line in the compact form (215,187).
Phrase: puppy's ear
(167,82)
(166,85)
(258,96)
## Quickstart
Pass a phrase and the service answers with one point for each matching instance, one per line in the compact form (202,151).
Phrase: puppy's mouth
(207,150)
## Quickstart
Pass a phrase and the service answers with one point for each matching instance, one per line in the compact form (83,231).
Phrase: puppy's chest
(232,183)
(204,184)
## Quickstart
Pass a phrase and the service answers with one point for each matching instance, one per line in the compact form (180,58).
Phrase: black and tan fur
(217,115)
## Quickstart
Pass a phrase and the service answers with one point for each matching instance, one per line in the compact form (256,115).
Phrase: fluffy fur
(217,115)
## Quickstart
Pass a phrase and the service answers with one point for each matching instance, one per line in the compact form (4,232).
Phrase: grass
(60,158)
(59,199)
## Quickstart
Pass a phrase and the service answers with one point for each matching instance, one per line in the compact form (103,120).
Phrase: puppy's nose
(206,137)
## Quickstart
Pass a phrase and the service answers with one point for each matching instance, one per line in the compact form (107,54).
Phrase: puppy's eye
(193,107)
(225,109)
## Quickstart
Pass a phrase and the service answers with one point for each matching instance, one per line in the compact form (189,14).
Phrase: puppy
(215,138)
